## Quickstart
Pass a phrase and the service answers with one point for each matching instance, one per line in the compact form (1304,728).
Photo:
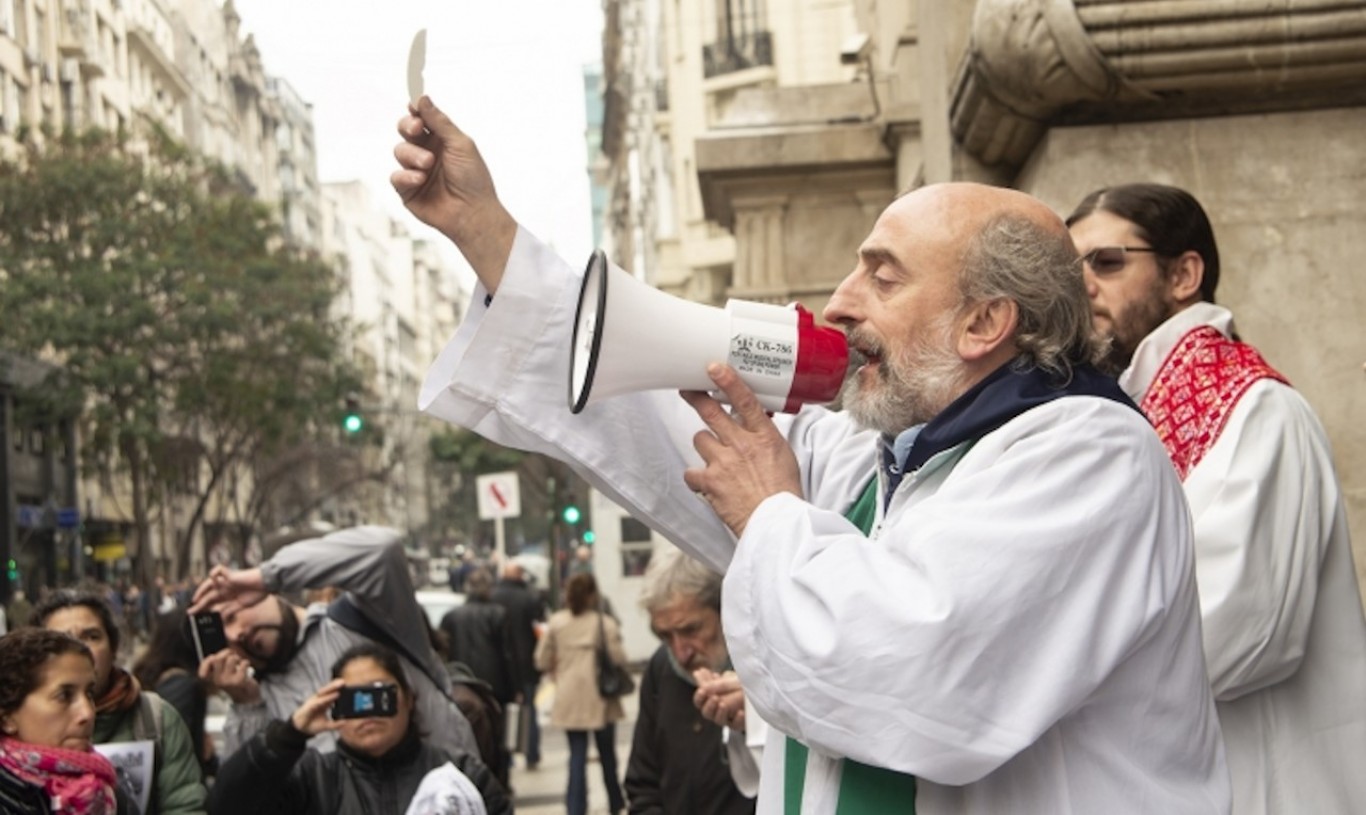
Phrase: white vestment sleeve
(745,751)
(1036,564)
(1263,517)
(505,375)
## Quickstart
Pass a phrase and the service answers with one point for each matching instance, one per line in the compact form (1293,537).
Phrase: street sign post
(499,498)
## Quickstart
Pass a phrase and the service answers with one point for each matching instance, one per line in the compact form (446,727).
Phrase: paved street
(541,791)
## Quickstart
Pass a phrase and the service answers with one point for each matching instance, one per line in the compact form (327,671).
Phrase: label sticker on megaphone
(630,337)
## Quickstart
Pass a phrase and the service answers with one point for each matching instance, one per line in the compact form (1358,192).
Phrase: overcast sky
(509,72)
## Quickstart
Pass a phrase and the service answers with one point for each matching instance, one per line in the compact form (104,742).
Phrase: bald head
(959,210)
(954,281)
(513,571)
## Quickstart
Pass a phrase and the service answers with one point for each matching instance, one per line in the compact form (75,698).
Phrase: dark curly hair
(70,598)
(169,648)
(23,653)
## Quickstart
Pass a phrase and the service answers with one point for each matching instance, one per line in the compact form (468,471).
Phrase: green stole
(864,790)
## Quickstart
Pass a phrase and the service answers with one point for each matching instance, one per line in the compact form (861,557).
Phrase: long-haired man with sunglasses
(1285,639)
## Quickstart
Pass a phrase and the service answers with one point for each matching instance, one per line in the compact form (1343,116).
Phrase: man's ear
(987,326)
(1184,276)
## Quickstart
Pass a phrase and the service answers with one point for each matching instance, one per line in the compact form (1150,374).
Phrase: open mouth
(861,355)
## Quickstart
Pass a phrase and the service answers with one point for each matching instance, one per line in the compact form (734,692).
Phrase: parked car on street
(436,602)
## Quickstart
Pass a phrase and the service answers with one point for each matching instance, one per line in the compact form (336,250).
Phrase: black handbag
(613,679)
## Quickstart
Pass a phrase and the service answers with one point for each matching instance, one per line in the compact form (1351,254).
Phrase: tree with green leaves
(193,341)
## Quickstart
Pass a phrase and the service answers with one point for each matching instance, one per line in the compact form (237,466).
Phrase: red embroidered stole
(1196,389)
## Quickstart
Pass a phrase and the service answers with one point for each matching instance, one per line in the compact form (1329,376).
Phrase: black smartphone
(364,701)
(206,629)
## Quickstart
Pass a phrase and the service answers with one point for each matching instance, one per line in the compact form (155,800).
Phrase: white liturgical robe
(1285,638)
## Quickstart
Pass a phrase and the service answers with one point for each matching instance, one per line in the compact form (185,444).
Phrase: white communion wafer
(417,58)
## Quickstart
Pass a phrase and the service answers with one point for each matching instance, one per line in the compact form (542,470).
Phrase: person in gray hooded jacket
(279,654)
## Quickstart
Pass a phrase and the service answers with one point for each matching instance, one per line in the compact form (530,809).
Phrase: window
(741,39)
(636,547)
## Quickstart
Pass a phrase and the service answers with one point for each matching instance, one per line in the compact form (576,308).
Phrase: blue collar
(1004,394)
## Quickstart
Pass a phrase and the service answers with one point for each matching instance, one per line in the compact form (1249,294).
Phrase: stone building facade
(792,123)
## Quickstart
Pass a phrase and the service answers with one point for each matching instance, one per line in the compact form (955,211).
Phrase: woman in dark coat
(378,766)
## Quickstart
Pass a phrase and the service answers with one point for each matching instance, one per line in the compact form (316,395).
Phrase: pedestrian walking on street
(476,635)
(568,652)
(525,610)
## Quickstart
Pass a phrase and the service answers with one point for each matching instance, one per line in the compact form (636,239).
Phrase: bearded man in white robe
(972,591)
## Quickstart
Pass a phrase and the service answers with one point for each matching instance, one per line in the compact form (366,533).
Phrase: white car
(436,602)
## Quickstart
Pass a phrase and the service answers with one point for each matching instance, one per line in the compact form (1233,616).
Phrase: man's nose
(841,307)
(1089,278)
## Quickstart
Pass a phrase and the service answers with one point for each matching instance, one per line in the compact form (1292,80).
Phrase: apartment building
(185,67)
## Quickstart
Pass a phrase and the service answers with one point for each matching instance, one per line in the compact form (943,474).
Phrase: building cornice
(1032,64)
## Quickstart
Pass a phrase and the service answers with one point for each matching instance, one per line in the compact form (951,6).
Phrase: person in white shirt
(972,591)
(1285,638)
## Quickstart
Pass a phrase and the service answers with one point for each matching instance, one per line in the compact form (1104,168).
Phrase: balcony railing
(737,54)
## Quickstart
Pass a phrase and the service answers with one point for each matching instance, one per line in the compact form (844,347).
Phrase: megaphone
(631,337)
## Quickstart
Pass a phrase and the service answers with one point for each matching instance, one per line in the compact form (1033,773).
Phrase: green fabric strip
(794,777)
(864,790)
(868,790)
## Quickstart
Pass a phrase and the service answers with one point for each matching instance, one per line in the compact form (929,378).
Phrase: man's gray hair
(1038,269)
(672,574)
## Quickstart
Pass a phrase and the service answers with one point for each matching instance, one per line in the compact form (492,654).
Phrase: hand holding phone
(206,629)
(365,701)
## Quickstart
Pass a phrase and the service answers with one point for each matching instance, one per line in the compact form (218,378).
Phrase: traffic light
(352,420)
(589,536)
(571,514)
(12,569)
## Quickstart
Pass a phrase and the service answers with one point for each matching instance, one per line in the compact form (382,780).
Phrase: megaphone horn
(631,337)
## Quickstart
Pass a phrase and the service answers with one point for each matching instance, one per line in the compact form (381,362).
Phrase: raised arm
(444,182)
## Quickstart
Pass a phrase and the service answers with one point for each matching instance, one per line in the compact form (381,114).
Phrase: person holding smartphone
(381,758)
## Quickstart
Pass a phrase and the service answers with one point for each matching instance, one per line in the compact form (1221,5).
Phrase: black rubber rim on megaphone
(597,264)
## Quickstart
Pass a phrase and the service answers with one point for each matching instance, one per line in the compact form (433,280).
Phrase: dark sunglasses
(1110,259)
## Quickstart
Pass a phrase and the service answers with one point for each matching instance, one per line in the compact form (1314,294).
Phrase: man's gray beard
(913,388)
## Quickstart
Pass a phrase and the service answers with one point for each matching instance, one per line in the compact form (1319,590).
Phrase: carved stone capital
(1035,63)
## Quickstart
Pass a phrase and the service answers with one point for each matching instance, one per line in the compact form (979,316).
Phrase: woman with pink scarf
(47,717)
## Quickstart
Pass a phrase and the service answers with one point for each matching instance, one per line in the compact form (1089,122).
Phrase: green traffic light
(589,537)
(572,514)
(353,423)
